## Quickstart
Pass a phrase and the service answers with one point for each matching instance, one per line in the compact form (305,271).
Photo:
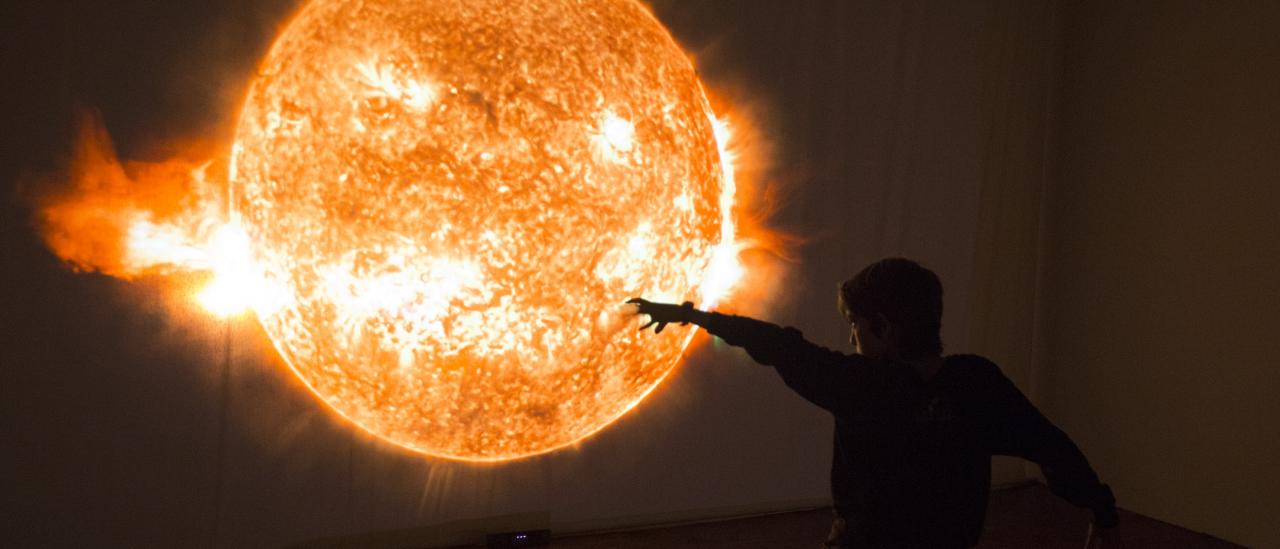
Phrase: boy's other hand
(1102,538)
(662,313)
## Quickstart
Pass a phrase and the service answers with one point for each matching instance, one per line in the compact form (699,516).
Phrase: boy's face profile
(865,340)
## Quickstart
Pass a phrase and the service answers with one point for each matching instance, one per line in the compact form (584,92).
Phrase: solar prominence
(447,200)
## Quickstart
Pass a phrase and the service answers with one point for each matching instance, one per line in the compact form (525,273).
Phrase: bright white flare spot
(638,244)
(381,82)
(617,136)
(151,244)
(234,287)
(723,274)
(683,202)
(619,133)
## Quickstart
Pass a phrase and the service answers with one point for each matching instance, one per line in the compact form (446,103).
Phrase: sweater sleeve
(829,379)
(1021,430)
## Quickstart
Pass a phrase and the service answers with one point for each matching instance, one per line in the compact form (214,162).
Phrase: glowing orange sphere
(449,200)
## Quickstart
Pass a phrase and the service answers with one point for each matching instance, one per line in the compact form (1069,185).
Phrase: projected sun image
(445,202)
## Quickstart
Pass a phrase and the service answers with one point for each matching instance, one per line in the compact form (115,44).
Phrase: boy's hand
(662,313)
(1102,538)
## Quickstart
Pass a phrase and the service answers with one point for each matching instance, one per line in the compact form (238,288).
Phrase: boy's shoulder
(971,364)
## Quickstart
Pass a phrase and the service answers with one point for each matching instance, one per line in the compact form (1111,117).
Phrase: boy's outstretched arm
(830,379)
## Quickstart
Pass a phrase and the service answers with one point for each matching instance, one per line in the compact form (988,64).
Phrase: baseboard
(686,516)
(469,532)
(457,533)
(716,514)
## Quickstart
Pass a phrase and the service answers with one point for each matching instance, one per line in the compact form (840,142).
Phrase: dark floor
(1026,516)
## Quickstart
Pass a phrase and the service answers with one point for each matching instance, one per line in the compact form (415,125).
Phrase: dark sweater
(912,458)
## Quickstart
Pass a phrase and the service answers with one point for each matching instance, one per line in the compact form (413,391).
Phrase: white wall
(1161,302)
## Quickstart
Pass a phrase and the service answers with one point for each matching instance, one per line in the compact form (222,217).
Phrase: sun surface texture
(450,199)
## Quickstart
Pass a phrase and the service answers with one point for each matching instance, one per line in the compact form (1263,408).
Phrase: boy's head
(895,307)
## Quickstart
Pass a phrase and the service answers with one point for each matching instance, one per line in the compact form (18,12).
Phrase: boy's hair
(907,294)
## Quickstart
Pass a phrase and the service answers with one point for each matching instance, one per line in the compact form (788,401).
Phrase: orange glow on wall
(435,209)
